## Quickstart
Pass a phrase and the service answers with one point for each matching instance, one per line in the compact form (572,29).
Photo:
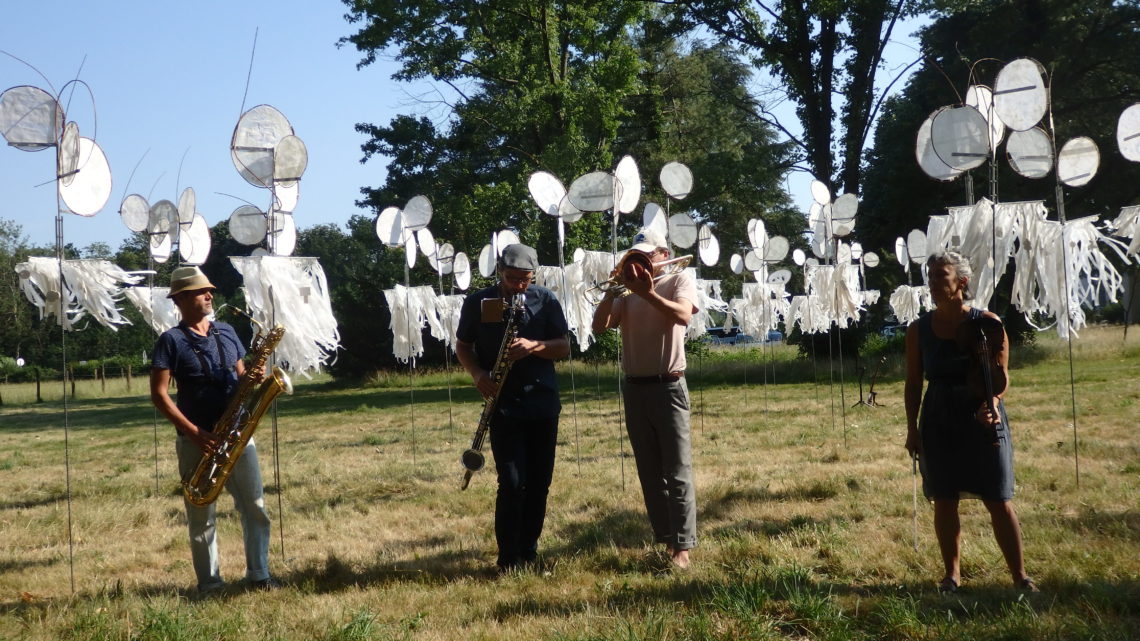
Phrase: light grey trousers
(245,486)
(657,421)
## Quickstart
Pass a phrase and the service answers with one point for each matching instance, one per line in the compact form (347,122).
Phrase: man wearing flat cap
(204,358)
(653,320)
(524,427)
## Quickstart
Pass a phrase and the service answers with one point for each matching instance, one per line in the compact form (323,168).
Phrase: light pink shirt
(651,343)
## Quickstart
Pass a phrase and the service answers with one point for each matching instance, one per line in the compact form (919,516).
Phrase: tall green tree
(828,57)
(534,85)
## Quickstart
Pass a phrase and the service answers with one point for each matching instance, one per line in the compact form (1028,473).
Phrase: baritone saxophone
(473,458)
(236,426)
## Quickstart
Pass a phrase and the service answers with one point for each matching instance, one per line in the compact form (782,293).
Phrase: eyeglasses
(518,280)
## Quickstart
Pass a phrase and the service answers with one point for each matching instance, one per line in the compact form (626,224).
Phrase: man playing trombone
(652,323)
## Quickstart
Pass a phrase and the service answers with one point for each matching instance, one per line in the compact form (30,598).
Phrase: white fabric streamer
(157,310)
(708,300)
(907,302)
(1126,225)
(291,291)
(90,287)
(447,308)
(412,309)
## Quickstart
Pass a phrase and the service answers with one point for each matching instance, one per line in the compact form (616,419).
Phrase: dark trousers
(524,460)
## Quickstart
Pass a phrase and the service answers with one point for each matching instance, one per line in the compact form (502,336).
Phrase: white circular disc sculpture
(248,225)
(91,188)
(593,191)
(255,137)
(1128,133)
(1020,98)
(1078,161)
(960,137)
(682,230)
(630,180)
(1030,152)
(676,179)
(708,247)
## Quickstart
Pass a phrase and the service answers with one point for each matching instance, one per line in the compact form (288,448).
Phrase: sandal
(948,586)
(1027,585)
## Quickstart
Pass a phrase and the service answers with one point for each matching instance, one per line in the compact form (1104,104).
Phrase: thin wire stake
(276,442)
(66,417)
(914,506)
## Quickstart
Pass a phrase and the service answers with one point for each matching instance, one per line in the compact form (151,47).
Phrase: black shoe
(266,584)
(948,586)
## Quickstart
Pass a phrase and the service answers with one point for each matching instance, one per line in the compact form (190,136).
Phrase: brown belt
(671,377)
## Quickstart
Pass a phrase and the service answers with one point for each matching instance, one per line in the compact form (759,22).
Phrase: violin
(983,341)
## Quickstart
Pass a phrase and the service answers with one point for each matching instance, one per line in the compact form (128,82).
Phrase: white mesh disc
(757,233)
(160,246)
(981,97)
(1078,161)
(30,118)
(187,206)
(752,261)
(390,227)
(676,179)
(1020,98)
(194,242)
(960,137)
(547,191)
(284,241)
(135,212)
(287,195)
(68,156)
(91,188)
(775,250)
(1128,133)
(503,239)
(871,259)
(290,157)
(820,192)
(630,180)
(255,136)
(654,218)
(446,257)
(707,246)
(248,225)
(901,254)
(798,256)
(736,263)
(779,277)
(567,211)
(916,246)
(592,192)
(929,161)
(1030,152)
(487,261)
(682,230)
(462,271)
(417,213)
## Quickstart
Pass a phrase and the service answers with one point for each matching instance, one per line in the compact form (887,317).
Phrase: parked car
(892,330)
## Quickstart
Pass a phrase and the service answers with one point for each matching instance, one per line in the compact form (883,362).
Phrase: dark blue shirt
(203,392)
(531,388)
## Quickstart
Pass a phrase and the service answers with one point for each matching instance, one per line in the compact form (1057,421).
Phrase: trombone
(616,283)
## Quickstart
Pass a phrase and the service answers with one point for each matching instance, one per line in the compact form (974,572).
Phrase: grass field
(804,509)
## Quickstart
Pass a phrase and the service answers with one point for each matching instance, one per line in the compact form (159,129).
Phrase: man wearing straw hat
(652,323)
(204,358)
(524,428)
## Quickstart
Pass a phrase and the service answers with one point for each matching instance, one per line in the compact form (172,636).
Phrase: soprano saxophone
(473,459)
(237,424)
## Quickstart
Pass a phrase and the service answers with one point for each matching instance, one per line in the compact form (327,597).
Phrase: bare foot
(680,558)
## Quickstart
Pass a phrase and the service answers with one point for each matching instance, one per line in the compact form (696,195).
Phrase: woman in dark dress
(963,446)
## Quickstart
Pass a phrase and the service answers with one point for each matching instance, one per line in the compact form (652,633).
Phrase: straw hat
(185,279)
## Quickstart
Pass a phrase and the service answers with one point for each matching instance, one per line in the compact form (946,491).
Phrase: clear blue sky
(168,79)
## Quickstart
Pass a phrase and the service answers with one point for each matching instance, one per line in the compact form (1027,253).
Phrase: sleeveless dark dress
(959,458)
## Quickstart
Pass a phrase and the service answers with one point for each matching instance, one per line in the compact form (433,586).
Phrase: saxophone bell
(473,460)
